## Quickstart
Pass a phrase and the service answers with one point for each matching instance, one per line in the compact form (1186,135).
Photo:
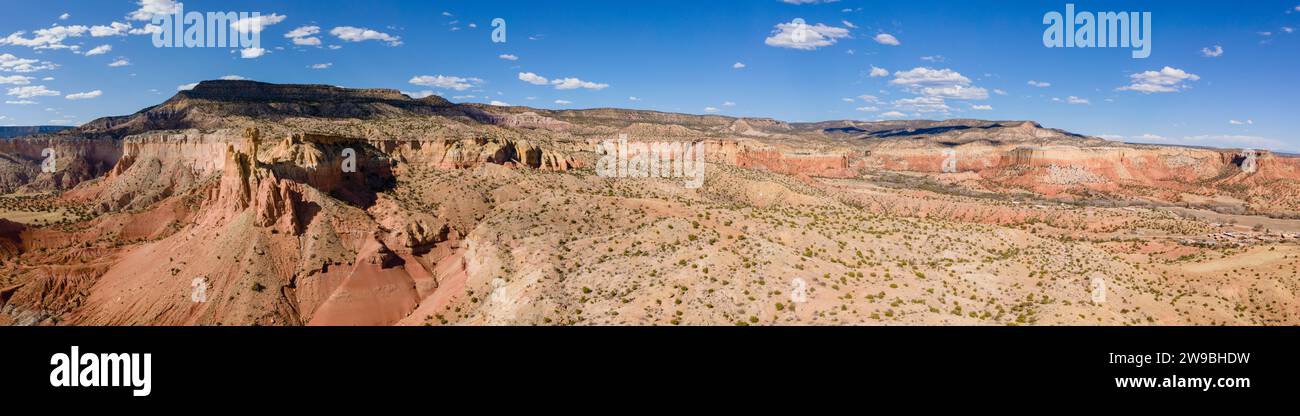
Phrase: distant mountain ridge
(8,132)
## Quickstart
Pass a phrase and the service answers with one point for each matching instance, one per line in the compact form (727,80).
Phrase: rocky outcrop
(75,160)
(810,164)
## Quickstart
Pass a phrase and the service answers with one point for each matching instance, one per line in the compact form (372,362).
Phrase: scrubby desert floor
(229,205)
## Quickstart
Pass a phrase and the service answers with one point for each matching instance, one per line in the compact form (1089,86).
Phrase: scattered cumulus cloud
(1214,52)
(561,83)
(84,95)
(252,53)
(153,8)
(11,63)
(256,24)
(100,50)
(1166,80)
(1039,84)
(798,34)
(304,36)
(15,80)
(879,72)
(32,91)
(361,34)
(887,39)
(446,82)
(508,57)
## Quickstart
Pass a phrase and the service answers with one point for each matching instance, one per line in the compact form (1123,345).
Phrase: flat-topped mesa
(228,90)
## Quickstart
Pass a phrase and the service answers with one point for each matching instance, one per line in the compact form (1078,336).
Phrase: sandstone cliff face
(820,165)
(75,160)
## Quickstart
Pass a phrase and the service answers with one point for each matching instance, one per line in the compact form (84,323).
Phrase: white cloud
(893,114)
(984,107)
(933,58)
(100,50)
(148,29)
(848,24)
(956,92)
(879,72)
(32,91)
(10,63)
(499,103)
(252,53)
(532,78)
(575,83)
(256,24)
(1076,100)
(927,77)
(64,16)
(710,110)
(561,83)
(800,35)
(1039,84)
(446,82)
(508,57)
(868,109)
(887,39)
(361,34)
(999,92)
(633,99)
(1212,53)
(937,84)
(186,87)
(1241,123)
(1168,79)
(47,38)
(563,102)
(151,8)
(119,62)
(233,78)
(737,65)
(922,105)
(322,66)
(113,29)
(15,80)
(728,104)
(84,95)
(20,102)
(304,36)
(868,98)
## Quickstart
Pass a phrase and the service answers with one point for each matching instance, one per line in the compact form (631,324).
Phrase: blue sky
(1218,75)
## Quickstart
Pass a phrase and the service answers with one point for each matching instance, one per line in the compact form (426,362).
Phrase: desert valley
(230,204)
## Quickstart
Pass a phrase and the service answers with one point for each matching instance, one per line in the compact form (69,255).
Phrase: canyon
(321,205)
